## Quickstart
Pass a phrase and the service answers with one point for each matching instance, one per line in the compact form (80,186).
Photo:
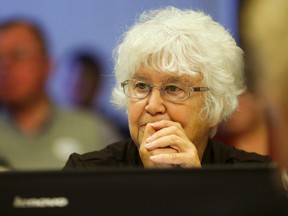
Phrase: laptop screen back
(205,191)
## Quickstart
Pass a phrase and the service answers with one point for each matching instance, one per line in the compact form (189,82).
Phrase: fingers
(148,163)
(143,152)
(167,134)
(171,130)
(172,141)
(149,131)
(180,159)
(164,123)
(165,143)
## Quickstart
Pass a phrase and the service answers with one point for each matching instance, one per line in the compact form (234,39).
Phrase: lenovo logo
(40,202)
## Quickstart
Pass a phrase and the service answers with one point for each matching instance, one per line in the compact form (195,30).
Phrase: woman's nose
(155,103)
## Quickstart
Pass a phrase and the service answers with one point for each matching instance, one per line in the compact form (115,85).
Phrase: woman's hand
(165,144)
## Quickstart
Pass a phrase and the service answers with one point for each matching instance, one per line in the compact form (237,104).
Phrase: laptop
(212,190)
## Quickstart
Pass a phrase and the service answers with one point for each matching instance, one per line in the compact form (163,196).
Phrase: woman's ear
(214,123)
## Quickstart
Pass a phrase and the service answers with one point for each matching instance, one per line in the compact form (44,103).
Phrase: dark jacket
(125,154)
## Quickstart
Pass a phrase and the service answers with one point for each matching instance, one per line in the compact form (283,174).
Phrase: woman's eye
(141,85)
(173,88)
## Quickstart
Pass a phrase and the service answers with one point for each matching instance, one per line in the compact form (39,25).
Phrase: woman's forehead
(165,76)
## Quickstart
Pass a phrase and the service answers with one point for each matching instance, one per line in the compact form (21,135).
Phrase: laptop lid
(253,190)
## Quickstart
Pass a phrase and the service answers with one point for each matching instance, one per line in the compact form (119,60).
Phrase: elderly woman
(179,74)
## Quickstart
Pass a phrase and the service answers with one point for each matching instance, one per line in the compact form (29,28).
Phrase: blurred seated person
(178,73)
(264,33)
(35,134)
(84,85)
(247,129)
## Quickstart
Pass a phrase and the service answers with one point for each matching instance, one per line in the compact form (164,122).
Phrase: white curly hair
(183,42)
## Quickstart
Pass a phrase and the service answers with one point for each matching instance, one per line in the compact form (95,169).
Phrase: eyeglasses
(171,91)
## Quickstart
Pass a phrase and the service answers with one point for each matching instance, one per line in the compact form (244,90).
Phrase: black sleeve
(123,153)
(220,153)
(90,161)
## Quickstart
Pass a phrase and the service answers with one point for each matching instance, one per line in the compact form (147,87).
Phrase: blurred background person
(248,128)
(34,133)
(264,33)
(84,85)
